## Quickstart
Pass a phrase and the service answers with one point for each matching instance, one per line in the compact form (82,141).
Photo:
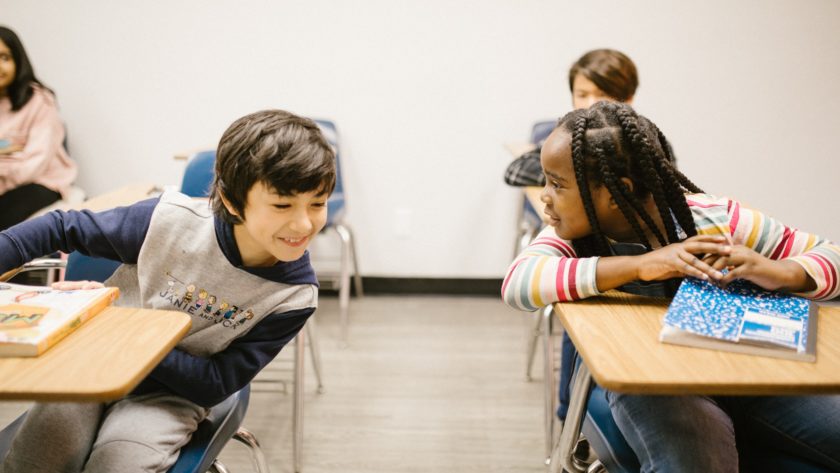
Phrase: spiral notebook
(742,318)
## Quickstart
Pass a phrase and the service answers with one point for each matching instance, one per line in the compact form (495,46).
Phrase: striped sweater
(549,271)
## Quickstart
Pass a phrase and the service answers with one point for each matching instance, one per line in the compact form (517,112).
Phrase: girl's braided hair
(609,142)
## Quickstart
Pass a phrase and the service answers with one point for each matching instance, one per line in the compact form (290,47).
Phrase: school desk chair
(198,177)
(337,206)
(222,423)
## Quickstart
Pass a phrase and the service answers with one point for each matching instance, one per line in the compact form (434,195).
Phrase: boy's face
(278,228)
(585,93)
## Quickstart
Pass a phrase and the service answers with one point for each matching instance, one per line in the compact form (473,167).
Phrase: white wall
(426,92)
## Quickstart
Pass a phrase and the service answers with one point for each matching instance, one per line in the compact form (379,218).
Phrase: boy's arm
(209,381)
(548,271)
(115,234)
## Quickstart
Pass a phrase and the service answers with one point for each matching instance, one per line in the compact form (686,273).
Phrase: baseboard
(450,286)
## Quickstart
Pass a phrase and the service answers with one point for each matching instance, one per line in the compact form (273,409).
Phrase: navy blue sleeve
(115,234)
(209,381)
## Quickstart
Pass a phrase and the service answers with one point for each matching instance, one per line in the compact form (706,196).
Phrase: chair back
(336,203)
(541,130)
(81,268)
(198,176)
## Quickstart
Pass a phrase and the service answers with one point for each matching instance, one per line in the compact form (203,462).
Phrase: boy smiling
(239,268)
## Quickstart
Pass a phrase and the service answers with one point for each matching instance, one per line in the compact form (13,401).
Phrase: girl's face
(7,68)
(561,195)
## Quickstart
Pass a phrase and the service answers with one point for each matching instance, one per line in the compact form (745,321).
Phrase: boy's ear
(228,206)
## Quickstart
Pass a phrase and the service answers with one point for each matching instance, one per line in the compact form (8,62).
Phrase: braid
(598,243)
(626,202)
(610,142)
(630,125)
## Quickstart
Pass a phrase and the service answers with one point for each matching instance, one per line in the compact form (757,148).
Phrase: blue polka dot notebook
(742,318)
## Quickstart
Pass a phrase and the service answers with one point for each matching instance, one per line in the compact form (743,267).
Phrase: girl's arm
(548,271)
(775,256)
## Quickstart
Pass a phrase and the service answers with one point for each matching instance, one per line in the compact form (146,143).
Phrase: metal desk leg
(562,456)
(297,401)
(548,378)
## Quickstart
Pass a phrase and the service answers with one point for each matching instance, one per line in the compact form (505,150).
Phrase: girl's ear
(627,182)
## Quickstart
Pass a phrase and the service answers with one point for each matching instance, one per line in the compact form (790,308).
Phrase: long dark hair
(20,90)
(610,141)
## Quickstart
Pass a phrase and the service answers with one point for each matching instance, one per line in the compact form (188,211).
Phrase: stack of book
(34,318)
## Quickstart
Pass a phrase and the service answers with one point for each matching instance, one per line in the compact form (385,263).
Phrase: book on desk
(34,318)
(741,318)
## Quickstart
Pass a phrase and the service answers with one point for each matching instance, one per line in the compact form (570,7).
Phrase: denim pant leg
(804,426)
(683,434)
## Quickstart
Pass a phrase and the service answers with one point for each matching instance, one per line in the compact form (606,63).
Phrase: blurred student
(239,267)
(35,169)
(600,74)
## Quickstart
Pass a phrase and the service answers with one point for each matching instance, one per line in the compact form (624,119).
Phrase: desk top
(104,359)
(118,197)
(618,338)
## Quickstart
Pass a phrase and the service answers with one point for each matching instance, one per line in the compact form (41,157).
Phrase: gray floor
(426,384)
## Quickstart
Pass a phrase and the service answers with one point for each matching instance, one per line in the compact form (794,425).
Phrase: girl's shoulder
(41,96)
(700,201)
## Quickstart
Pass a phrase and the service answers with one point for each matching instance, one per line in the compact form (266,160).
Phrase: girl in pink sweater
(35,169)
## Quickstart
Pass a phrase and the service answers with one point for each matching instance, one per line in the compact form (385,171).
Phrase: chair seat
(212,434)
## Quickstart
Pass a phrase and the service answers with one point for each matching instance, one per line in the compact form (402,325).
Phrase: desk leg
(548,377)
(297,401)
(563,453)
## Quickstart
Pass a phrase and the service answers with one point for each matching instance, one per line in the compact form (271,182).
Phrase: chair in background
(198,177)
(335,221)
(222,423)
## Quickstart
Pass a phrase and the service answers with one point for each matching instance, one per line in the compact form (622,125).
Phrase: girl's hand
(75,285)
(745,263)
(684,259)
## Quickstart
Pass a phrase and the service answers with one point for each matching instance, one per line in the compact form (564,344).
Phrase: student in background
(620,212)
(35,169)
(600,74)
(239,268)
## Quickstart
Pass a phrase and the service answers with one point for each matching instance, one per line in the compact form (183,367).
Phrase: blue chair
(337,205)
(222,423)
(529,219)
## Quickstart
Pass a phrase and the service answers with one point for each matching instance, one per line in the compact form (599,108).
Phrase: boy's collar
(299,271)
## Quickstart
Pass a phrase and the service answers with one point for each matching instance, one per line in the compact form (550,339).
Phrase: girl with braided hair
(622,216)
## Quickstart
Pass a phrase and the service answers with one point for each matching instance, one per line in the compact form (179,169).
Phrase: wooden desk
(618,337)
(102,360)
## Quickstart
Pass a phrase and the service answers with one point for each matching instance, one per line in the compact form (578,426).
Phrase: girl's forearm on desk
(615,271)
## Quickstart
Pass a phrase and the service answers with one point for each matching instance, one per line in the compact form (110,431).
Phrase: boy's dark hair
(285,152)
(612,71)
(20,90)
(609,142)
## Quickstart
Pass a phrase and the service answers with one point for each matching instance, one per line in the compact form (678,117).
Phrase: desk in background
(102,360)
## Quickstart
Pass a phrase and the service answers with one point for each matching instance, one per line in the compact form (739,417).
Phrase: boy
(241,271)
(600,74)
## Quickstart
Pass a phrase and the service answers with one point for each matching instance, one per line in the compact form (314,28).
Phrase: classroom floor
(427,384)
